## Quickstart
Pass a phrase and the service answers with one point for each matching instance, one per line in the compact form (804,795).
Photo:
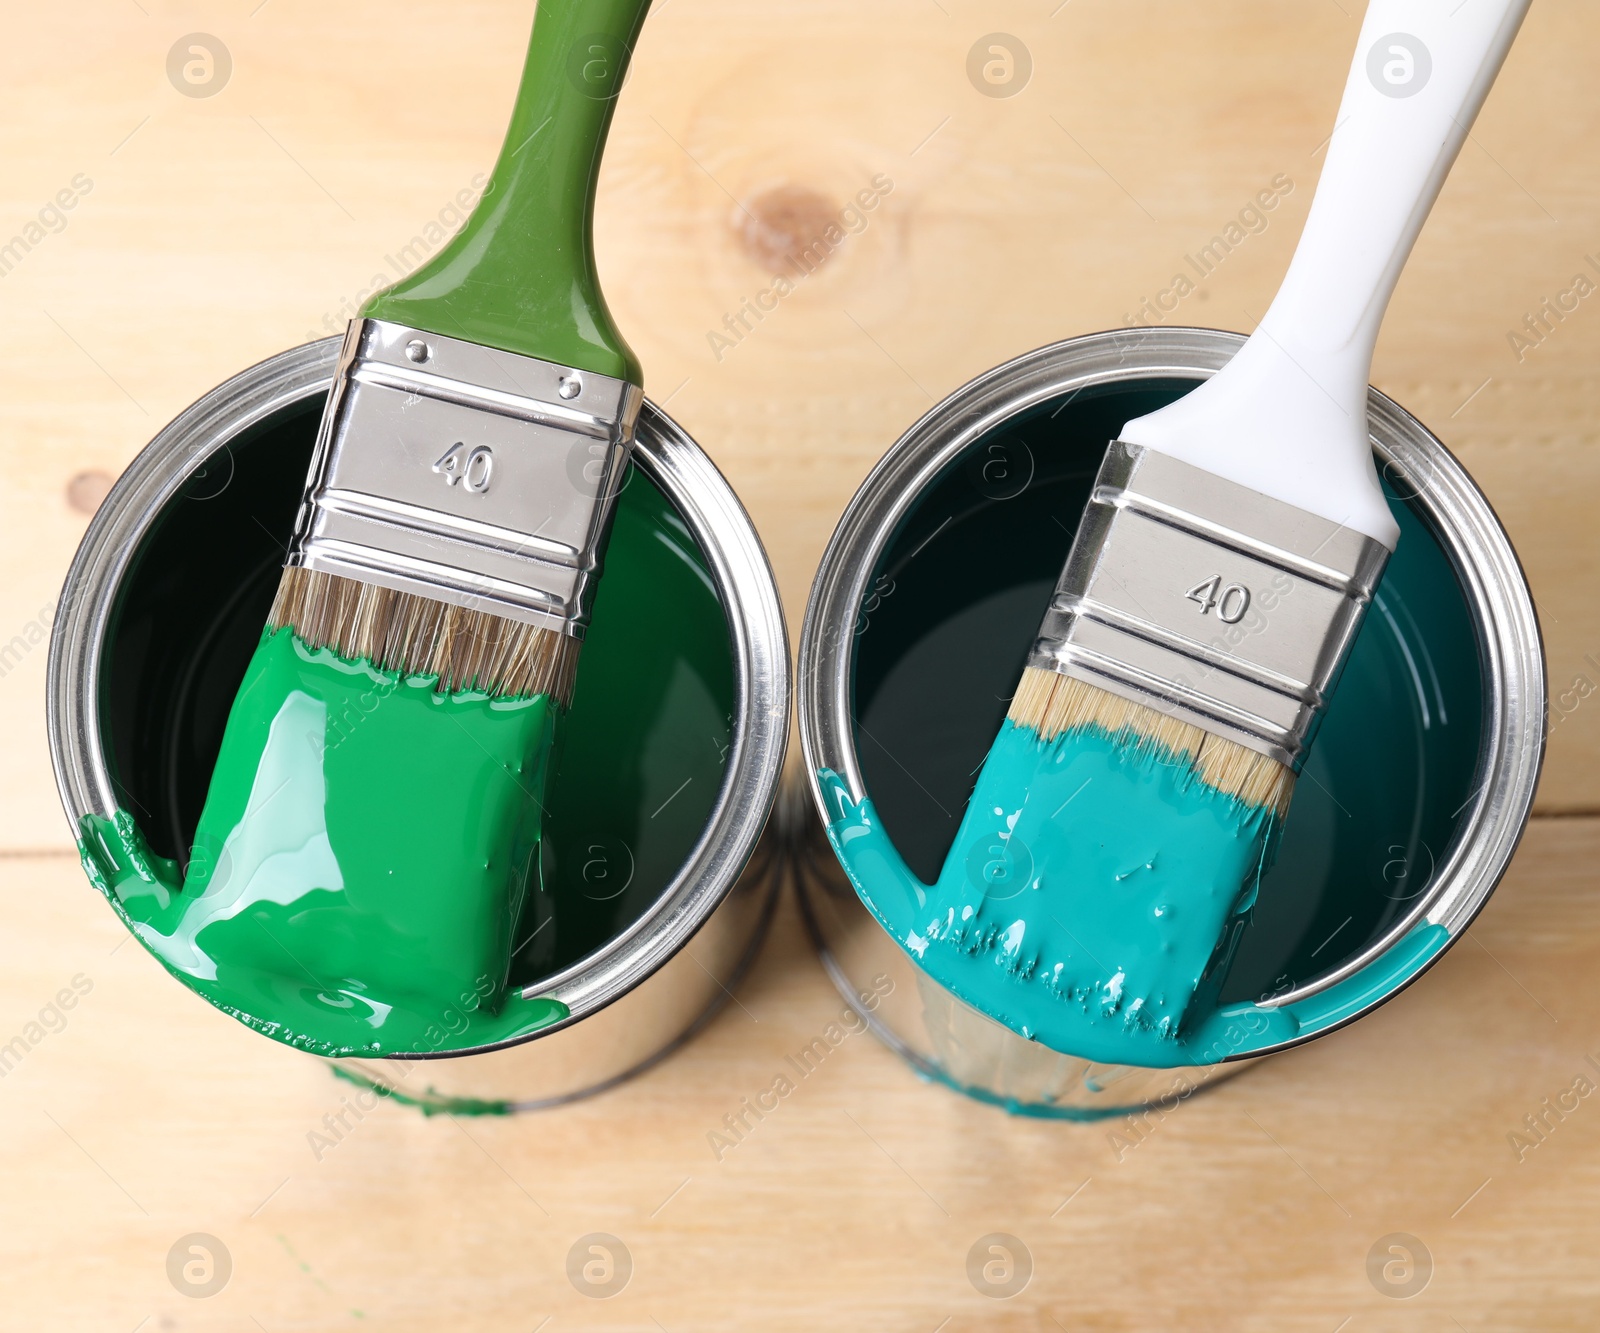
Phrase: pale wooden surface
(225,229)
(149,1116)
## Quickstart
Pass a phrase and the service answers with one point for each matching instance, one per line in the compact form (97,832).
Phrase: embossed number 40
(473,468)
(1230,602)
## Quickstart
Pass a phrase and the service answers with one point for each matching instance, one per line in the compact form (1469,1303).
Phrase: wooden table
(207,233)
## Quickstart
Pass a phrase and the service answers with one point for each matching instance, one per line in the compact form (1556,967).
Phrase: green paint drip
(430,1103)
(361,862)
(1057,935)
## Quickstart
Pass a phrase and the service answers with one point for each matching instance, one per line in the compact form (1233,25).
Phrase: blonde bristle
(399,631)
(1051,703)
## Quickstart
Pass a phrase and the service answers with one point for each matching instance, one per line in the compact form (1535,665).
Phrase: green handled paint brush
(373,823)
(1099,884)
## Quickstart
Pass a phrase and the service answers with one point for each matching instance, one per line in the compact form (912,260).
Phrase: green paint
(520,275)
(1009,991)
(430,1103)
(634,776)
(642,752)
(361,862)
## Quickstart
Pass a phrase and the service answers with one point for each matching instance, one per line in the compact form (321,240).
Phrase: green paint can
(656,882)
(920,619)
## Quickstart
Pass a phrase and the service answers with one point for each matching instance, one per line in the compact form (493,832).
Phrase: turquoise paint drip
(1008,911)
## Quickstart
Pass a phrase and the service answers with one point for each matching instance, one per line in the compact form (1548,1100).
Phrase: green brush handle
(520,275)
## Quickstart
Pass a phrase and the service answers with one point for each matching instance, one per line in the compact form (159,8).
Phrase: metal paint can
(161,610)
(921,615)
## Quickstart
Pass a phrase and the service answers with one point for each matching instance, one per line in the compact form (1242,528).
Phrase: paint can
(657,835)
(919,621)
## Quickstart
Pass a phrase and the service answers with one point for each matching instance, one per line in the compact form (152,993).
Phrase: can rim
(1446,498)
(740,572)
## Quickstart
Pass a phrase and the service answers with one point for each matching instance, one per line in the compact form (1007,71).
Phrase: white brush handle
(1288,415)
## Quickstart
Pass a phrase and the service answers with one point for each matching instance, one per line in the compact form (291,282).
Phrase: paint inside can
(941,642)
(637,773)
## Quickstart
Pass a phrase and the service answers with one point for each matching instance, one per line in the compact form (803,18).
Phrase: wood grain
(220,230)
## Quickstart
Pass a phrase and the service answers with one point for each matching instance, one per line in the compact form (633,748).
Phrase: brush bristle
(399,631)
(1051,703)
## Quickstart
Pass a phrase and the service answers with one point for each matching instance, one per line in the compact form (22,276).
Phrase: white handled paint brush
(1125,813)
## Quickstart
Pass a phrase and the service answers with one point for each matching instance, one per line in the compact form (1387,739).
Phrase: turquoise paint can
(920,618)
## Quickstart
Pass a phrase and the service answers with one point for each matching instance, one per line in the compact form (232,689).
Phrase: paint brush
(1233,539)
(373,823)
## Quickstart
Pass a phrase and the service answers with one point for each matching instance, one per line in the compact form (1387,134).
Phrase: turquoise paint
(1243,1029)
(1083,1115)
(1085,894)
(1181,1091)
(903,905)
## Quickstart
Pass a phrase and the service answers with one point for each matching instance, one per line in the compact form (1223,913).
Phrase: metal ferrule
(466,474)
(1209,601)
